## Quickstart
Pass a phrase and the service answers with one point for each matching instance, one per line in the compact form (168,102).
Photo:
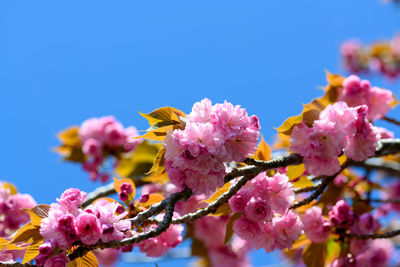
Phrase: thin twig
(320,188)
(391,120)
(376,235)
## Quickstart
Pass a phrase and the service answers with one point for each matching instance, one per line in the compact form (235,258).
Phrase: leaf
(10,187)
(157,178)
(333,249)
(295,171)
(222,210)
(153,199)
(138,162)
(219,192)
(163,120)
(32,251)
(158,165)
(25,233)
(229,226)
(70,136)
(71,147)
(89,260)
(361,207)
(263,151)
(37,213)
(301,242)
(117,186)
(302,182)
(315,255)
(309,114)
(198,248)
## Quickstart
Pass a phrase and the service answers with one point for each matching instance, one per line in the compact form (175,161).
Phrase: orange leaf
(263,151)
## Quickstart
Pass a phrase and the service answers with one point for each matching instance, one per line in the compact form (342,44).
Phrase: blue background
(62,62)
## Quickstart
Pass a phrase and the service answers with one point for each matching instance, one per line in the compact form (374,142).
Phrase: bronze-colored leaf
(229,226)
(32,251)
(314,255)
(219,192)
(89,260)
(153,199)
(158,165)
(37,213)
(263,151)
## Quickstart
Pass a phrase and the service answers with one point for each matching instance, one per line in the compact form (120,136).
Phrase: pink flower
(214,225)
(213,135)
(92,147)
(240,199)
(247,229)
(363,143)
(365,224)
(320,147)
(59,260)
(226,256)
(107,256)
(201,111)
(258,210)
(316,227)
(50,229)
(153,247)
(113,226)
(71,199)
(341,214)
(379,103)
(358,92)
(89,228)
(157,246)
(12,206)
(47,247)
(190,205)
(281,194)
(287,229)
(378,254)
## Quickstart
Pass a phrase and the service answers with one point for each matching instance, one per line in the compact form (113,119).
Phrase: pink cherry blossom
(286,229)
(214,225)
(378,254)
(363,143)
(107,256)
(316,227)
(89,228)
(281,194)
(59,260)
(341,214)
(258,210)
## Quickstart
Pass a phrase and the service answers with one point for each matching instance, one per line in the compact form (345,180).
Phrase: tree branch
(376,235)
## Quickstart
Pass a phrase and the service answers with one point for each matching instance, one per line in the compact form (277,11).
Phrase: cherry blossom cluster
(101,137)
(381,57)
(339,129)
(362,252)
(229,255)
(213,135)
(266,221)
(12,216)
(67,223)
(158,246)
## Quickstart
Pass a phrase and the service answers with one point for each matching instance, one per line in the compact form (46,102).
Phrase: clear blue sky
(62,62)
